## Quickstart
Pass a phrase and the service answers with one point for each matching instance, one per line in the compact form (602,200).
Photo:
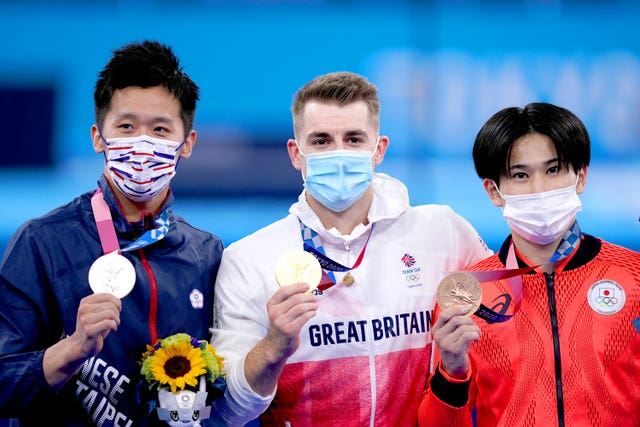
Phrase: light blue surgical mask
(338,178)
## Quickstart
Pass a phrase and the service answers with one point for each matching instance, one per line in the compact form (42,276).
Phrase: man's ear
(381,149)
(297,160)
(582,179)
(492,191)
(98,143)
(189,142)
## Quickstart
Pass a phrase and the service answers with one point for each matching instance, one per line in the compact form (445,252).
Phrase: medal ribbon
(107,232)
(312,244)
(567,245)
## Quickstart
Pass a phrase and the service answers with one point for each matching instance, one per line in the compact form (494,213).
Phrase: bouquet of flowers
(179,366)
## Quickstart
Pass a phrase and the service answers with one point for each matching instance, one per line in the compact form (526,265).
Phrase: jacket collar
(129,231)
(588,249)
(390,200)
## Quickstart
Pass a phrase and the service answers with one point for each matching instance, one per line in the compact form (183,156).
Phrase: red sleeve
(433,412)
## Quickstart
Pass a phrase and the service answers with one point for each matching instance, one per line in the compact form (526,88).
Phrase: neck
(133,211)
(346,220)
(538,254)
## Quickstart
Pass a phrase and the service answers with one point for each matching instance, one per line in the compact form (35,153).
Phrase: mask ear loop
(375,148)
(300,149)
(498,190)
(178,149)
(104,153)
(304,178)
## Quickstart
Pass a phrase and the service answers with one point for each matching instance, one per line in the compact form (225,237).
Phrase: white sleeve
(240,404)
(240,322)
(470,247)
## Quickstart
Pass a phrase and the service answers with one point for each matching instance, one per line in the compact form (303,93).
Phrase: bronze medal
(459,289)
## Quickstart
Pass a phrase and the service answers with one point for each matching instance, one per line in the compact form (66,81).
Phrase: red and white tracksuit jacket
(364,358)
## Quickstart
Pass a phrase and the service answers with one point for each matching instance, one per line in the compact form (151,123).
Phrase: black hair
(145,64)
(494,142)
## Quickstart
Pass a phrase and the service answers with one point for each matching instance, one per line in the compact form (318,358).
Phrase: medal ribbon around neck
(312,244)
(107,232)
(112,272)
(567,245)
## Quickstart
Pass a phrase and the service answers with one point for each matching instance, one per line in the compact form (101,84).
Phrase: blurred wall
(442,67)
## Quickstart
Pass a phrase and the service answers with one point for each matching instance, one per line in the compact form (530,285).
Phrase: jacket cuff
(240,403)
(452,391)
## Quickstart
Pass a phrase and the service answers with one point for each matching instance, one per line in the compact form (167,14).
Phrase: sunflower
(178,361)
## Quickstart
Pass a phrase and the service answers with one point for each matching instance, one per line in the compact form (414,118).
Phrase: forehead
(333,118)
(144,103)
(532,148)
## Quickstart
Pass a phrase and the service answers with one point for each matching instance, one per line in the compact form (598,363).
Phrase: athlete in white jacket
(356,353)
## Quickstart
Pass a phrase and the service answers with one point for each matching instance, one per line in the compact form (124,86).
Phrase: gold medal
(459,289)
(298,267)
(347,279)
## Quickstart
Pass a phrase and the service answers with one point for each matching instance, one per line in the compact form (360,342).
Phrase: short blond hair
(341,88)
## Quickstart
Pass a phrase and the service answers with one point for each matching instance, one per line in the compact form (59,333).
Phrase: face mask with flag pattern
(141,166)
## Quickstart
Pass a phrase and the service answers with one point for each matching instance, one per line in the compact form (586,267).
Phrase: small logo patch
(408,260)
(606,297)
(196,298)
(412,272)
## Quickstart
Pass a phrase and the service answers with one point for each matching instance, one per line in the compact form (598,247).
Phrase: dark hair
(494,142)
(341,88)
(145,64)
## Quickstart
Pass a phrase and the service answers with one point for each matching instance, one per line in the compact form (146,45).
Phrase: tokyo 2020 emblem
(606,297)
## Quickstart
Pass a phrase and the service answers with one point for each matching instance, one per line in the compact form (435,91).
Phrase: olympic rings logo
(412,278)
(608,301)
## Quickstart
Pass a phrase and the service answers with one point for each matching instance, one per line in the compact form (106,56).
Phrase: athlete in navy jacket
(70,356)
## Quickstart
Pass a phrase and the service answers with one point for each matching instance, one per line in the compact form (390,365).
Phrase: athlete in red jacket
(570,353)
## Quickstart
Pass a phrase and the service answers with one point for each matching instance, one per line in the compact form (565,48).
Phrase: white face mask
(141,166)
(541,218)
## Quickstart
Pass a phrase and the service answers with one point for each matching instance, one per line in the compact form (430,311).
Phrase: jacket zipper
(550,280)
(153,298)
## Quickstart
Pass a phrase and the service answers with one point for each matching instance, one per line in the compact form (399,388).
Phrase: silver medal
(112,273)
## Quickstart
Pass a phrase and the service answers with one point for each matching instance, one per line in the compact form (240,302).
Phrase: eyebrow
(549,162)
(319,134)
(131,116)
(355,133)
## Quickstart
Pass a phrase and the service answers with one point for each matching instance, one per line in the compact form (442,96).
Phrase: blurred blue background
(442,68)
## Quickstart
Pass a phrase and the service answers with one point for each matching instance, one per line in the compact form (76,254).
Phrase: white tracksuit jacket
(363,359)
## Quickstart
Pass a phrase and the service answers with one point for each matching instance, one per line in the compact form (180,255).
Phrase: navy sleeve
(27,324)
